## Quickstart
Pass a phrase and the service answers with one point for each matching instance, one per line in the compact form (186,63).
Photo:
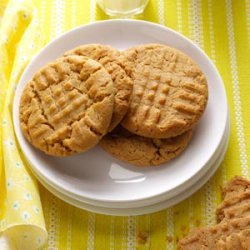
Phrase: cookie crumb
(183,228)
(142,237)
(169,239)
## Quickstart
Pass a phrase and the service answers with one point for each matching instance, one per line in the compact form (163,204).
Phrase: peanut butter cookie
(142,151)
(170,91)
(233,217)
(239,241)
(236,201)
(123,85)
(209,238)
(67,106)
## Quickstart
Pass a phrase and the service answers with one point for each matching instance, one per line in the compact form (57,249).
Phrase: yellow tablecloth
(221,28)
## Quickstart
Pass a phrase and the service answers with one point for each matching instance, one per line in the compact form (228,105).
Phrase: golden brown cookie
(234,187)
(170,91)
(208,238)
(67,106)
(236,201)
(123,85)
(142,151)
(237,241)
(233,216)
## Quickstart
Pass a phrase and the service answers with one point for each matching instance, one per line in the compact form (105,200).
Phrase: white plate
(145,209)
(95,174)
(210,167)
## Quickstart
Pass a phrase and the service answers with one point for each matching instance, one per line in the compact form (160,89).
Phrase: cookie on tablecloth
(236,201)
(211,238)
(233,217)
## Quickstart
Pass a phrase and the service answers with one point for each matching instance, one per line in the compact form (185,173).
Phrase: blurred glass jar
(122,8)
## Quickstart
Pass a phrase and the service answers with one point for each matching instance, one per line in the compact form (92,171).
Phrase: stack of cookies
(232,231)
(141,104)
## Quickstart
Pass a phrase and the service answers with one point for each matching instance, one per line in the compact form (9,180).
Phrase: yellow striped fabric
(222,30)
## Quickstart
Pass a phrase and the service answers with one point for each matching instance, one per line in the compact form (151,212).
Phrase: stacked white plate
(96,181)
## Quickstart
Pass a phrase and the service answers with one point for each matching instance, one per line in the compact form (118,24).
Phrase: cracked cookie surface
(123,85)
(142,151)
(210,238)
(233,218)
(67,106)
(236,201)
(170,91)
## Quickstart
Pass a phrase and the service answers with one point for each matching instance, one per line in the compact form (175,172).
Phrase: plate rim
(223,146)
(156,207)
